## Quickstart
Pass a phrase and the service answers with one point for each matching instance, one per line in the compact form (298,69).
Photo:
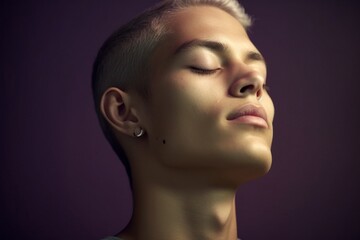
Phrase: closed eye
(202,71)
(256,56)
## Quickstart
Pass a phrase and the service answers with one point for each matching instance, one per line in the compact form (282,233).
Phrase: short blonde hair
(123,59)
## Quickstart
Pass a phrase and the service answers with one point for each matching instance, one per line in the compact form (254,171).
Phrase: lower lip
(252,120)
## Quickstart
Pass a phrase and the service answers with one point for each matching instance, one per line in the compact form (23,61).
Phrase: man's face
(205,71)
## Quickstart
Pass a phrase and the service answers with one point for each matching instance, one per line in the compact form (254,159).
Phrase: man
(181,95)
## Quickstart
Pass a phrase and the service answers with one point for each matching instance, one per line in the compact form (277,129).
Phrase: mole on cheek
(164,141)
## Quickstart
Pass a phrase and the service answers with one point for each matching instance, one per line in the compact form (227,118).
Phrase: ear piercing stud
(138,132)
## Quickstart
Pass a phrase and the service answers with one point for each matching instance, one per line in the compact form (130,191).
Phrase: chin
(260,166)
(258,161)
(236,174)
(249,160)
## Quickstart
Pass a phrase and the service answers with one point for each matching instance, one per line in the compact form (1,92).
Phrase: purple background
(59,179)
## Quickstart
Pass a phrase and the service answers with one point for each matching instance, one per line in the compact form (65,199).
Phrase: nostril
(247,88)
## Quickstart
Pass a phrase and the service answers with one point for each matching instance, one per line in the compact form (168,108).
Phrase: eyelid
(256,56)
(202,70)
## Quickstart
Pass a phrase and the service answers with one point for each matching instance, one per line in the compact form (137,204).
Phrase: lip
(249,114)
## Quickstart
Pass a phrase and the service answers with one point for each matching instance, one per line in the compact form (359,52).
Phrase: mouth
(249,114)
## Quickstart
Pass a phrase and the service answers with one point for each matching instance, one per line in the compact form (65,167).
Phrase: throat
(213,219)
(186,216)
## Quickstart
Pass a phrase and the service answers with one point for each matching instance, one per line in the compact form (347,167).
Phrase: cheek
(195,104)
(193,96)
(185,111)
(199,97)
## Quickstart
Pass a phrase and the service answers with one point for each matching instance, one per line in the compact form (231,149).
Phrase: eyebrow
(212,45)
(216,47)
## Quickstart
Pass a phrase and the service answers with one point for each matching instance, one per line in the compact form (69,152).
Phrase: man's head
(186,72)
(123,60)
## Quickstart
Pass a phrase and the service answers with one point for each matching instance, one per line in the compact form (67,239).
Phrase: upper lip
(248,110)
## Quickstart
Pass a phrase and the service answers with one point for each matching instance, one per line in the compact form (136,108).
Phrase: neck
(182,214)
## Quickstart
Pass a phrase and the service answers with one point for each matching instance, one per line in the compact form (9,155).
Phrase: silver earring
(138,132)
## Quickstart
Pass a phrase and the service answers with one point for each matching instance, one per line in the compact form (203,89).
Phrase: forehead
(204,22)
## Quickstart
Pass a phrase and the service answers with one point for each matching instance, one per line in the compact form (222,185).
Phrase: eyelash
(203,71)
(256,56)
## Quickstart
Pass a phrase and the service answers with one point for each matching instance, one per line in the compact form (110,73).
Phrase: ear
(116,108)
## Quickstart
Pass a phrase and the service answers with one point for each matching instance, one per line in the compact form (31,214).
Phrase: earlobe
(115,106)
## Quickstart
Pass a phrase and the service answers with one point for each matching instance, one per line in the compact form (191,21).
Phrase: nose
(247,85)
